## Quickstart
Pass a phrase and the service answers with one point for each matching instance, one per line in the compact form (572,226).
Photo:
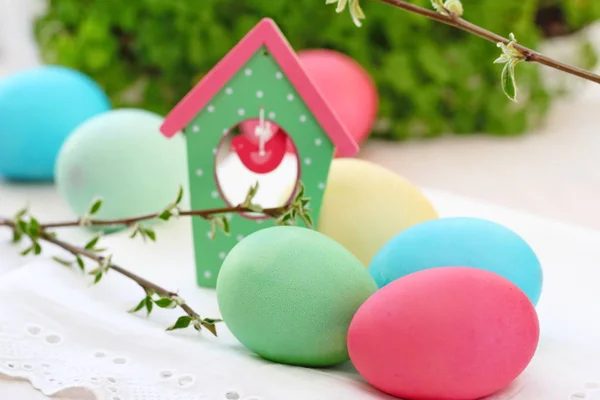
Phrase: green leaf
(165,302)
(37,248)
(181,323)
(17,236)
(502,59)
(308,221)
(140,305)
(285,219)
(165,215)
(22,225)
(95,271)
(300,192)
(34,229)
(250,194)
(97,277)
(151,234)
(438,6)
(90,245)
(21,213)
(212,320)
(64,262)
(135,231)
(95,207)
(356,12)
(222,223)
(509,84)
(149,304)
(27,251)
(226,225)
(80,262)
(209,324)
(213,229)
(179,195)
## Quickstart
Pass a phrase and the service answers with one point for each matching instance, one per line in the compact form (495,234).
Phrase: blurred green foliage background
(432,79)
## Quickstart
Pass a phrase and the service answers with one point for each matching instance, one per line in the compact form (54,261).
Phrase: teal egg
(289,294)
(39,108)
(460,242)
(121,157)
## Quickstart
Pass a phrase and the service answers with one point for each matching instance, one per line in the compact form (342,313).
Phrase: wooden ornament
(259,87)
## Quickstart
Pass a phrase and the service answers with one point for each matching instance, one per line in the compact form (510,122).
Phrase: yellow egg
(365,205)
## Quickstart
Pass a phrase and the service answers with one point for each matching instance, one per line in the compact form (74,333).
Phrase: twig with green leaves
(450,12)
(24,225)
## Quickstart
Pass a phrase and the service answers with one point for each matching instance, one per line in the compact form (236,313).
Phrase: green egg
(121,157)
(289,293)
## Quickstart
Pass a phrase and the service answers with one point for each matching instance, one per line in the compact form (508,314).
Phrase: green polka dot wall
(259,84)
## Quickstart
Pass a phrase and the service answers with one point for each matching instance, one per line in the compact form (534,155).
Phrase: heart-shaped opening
(257,151)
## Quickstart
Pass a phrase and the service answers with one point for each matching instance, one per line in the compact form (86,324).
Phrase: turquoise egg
(460,242)
(39,108)
(121,157)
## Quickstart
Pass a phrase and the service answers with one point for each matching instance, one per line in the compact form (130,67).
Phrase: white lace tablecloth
(62,337)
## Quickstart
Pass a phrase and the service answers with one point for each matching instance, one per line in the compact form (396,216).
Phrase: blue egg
(466,242)
(39,108)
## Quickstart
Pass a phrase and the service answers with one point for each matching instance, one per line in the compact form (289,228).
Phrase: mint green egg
(121,157)
(289,293)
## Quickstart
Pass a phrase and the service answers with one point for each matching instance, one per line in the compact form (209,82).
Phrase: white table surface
(569,310)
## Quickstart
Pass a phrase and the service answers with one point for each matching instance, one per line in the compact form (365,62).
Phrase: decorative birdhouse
(255,117)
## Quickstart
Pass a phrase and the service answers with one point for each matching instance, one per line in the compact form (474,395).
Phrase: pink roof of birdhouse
(265,33)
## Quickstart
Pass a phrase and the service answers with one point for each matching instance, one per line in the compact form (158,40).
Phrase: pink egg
(451,333)
(346,87)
